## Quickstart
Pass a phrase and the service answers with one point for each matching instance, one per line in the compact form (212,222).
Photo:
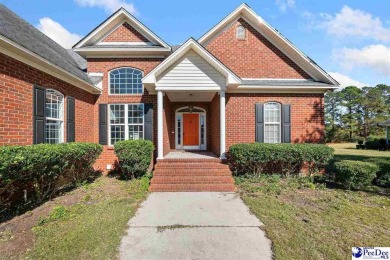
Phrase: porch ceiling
(187,96)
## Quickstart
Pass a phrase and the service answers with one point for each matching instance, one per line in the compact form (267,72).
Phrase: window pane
(136,132)
(54,101)
(136,114)
(126,81)
(240,32)
(272,112)
(117,114)
(117,133)
(53,131)
(272,133)
(179,129)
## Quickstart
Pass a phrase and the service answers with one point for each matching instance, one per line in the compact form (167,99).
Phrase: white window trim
(126,124)
(115,94)
(61,112)
(274,123)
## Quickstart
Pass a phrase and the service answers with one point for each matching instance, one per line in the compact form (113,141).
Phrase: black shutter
(286,123)
(259,122)
(148,115)
(70,119)
(103,124)
(39,100)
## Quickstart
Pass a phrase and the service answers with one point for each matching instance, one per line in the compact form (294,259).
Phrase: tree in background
(354,113)
(332,114)
(351,98)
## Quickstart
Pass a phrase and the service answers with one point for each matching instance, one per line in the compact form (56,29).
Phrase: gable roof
(192,44)
(22,36)
(112,22)
(272,35)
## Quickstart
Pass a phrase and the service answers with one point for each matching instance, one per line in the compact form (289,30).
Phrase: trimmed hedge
(355,174)
(134,157)
(286,159)
(383,175)
(375,144)
(45,168)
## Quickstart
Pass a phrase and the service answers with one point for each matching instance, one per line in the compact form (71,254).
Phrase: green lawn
(309,221)
(348,151)
(92,228)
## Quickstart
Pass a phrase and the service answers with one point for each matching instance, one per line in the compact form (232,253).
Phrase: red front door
(191,129)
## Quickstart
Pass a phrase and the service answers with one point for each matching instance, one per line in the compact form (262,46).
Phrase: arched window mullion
(125,80)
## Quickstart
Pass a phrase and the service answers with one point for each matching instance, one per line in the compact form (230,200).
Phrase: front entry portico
(190,74)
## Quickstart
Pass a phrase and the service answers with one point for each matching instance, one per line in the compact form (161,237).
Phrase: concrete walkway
(194,225)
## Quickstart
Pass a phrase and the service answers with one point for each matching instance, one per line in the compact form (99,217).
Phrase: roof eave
(191,43)
(119,12)
(24,55)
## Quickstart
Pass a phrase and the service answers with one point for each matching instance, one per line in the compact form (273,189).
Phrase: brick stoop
(192,175)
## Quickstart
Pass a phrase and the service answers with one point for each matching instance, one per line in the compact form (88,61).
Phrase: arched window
(240,32)
(125,81)
(272,122)
(54,117)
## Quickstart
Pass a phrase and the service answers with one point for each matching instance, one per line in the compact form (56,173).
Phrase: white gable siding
(192,71)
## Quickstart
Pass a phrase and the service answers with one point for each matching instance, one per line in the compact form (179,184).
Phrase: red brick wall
(254,57)
(16,103)
(307,116)
(215,125)
(125,33)
(104,65)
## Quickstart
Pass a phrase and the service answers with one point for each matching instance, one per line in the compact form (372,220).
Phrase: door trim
(180,115)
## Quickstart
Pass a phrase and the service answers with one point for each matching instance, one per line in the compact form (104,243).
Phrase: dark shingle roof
(267,82)
(24,34)
(80,61)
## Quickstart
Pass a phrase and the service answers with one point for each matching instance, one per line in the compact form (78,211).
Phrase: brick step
(191,166)
(186,160)
(191,179)
(218,187)
(192,172)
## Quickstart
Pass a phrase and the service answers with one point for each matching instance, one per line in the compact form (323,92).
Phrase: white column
(222,115)
(160,105)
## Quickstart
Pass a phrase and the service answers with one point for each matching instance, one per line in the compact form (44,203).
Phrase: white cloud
(375,57)
(57,32)
(109,6)
(346,81)
(354,22)
(284,4)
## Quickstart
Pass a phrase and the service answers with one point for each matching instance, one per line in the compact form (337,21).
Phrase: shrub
(383,175)
(355,174)
(360,141)
(255,158)
(134,157)
(374,143)
(41,167)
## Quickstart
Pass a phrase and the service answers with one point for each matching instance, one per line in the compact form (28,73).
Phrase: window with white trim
(125,81)
(240,32)
(126,122)
(272,122)
(54,127)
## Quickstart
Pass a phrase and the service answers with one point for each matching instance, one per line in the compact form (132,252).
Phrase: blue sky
(349,38)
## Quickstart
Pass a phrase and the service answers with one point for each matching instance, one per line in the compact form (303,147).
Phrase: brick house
(242,81)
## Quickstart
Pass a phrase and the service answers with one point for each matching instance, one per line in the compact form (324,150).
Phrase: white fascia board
(26,56)
(245,12)
(132,20)
(191,44)
(188,88)
(280,89)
